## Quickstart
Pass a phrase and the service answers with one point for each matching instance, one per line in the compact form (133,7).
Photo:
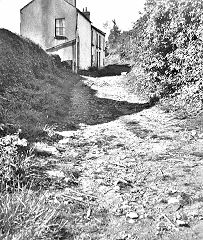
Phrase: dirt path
(140,176)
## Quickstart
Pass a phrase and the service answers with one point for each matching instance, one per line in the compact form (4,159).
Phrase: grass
(34,87)
(25,215)
(26,209)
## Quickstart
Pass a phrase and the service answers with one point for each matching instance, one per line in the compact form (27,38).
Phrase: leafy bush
(172,49)
(110,70)
(166,48)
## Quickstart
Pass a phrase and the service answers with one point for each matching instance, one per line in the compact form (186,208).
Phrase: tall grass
(26,215)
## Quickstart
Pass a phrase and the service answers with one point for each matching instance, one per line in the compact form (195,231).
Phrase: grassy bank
(34,88)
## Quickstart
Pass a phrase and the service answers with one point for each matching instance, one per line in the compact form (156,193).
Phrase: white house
(59,27)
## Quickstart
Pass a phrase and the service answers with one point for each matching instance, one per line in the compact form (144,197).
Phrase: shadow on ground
(110,70)
(86,108)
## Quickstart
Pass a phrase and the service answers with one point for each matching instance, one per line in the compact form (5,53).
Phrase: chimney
(86,13)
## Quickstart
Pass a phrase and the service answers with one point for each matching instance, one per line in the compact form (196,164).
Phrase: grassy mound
(34,88)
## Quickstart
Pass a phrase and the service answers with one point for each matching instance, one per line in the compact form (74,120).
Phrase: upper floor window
(92,38)
(99,41)
(60,27)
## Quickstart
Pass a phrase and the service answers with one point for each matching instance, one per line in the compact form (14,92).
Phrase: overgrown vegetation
(34,87)
(167,51)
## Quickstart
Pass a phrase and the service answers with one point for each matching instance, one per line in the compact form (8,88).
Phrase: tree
(114,36)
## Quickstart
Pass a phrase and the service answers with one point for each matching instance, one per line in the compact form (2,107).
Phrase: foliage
(114,36)
(109,70)
(170,44)
(166,46)
(172,50)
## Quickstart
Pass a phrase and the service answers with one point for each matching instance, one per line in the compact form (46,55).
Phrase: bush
(171,53)
(110,70)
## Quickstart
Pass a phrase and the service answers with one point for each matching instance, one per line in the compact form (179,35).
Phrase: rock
(182,223)
(198,229)
(56,174)
(193,133)
(43,148)
(22,142)
(173,200)
(83,126)
(64,141)
(123,183)
(66,134)
(131,221)
(123,73)
(116,188)
(61,148)
(133,215)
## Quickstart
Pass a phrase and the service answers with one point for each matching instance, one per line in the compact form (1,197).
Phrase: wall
(31,24)
(84,32)
(72,2)
(38,24)
(96,50)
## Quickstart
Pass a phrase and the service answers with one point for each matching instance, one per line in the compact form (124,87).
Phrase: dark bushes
(110,70)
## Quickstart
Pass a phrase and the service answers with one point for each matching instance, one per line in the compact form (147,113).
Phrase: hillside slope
(34,90)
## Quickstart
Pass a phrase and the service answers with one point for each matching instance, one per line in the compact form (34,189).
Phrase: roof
(84,15)
(34,0)
(60,46)
(98,30)
(27,5)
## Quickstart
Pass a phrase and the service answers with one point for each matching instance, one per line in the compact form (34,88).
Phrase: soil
(137,177)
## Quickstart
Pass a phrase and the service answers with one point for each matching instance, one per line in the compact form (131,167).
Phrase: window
(60,28)
(104,44)
(92,37)
(99,42)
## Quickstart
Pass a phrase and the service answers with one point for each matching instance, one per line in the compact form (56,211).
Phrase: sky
(124,12)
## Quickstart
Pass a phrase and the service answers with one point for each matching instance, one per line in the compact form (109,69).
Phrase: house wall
(31,25)
(72,2)
(38,24)
(98,53)
(84,32)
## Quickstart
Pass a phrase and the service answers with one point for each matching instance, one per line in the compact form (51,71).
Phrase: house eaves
(27,5)
(34,0)
(69,3)
(98,30)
